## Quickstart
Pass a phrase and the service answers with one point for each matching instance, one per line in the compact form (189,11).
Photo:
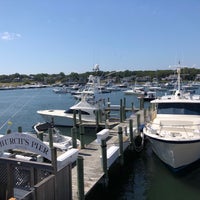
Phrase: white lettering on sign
(25,141)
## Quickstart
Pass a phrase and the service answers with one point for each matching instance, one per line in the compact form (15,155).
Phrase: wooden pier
(93,170)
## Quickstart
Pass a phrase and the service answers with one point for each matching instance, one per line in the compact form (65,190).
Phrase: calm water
(144,175)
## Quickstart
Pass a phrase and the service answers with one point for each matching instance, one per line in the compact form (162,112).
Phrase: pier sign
(25,141)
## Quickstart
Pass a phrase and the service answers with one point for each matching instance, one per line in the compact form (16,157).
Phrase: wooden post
(54,164)
(51,137)
(149,113)
(80,178)
(138,123)
(82,131)
(97,120)
(145,113)
(54,158)
(79,117)
(121,111)
(108,113)
(108,100)
(19,129)
(121,152)
(131,133)
(107,123)
(104,161)
(132,107)
(100,116)
(10,181)
(74,137)
(74,118)
(124,109)
(141,103)
(40,136)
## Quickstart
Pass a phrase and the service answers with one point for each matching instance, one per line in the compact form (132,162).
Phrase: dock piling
(80,178)
(124,109)
(104,161)
(82,131)
(79,117)
(141,103)
(120,135)
(131,133)
(74,118)
(74,137)
(97,120)
(51,137)
(19,129)
(138,123)
(121,111)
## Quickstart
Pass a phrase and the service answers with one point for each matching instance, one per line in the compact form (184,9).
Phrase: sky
(53,36)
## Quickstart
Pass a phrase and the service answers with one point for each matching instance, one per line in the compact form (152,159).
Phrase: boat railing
(175,127)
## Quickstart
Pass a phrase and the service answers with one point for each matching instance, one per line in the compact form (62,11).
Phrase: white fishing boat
(61,142)
(61,90)
(135,90)
(66,117)
(174,128)
(148,96)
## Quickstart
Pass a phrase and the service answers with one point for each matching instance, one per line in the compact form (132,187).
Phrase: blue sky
(53,36)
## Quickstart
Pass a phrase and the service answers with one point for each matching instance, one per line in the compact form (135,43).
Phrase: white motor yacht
(66,117)
(174,128)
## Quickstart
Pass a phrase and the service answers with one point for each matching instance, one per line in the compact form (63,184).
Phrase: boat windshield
(178,108)
(71,111)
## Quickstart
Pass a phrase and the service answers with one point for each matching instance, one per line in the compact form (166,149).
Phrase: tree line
(187,74)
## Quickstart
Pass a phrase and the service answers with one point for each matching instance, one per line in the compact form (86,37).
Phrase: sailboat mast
(179,76)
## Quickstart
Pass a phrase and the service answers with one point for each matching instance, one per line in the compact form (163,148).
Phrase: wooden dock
(93,170)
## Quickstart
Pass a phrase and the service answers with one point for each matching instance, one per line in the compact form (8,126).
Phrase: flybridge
(25,142)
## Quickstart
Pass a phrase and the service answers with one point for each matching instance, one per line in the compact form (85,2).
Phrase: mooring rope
(15,113)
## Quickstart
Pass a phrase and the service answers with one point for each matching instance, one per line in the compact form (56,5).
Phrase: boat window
(71,111)
(178,108)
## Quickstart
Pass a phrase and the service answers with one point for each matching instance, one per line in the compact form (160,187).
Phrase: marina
(142,174)
(100,100)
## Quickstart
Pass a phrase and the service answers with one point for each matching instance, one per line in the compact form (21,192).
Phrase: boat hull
(60,118)
(176,154)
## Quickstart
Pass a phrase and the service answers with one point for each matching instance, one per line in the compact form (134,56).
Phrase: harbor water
(143,177)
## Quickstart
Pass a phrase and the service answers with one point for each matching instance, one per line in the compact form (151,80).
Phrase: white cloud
(9,36)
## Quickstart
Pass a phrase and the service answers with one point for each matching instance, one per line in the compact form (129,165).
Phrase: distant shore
(23,87)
